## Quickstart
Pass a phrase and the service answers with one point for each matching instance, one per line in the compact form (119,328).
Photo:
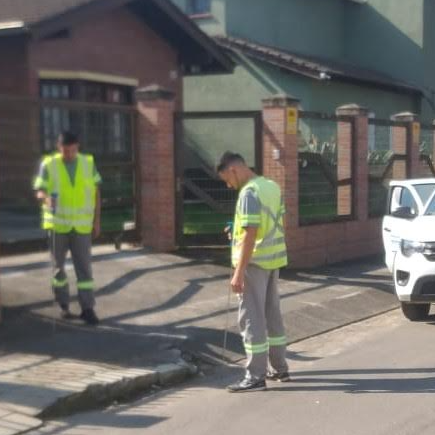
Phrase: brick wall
(156,167)
(117,43)
(14,65)
(314,245)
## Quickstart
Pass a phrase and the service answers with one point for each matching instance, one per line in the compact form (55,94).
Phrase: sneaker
(89,317)
(246,385)
(279,377)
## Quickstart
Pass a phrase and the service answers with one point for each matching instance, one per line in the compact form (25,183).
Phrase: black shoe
(279,377)
(89,317)
(65,312)
(246,385)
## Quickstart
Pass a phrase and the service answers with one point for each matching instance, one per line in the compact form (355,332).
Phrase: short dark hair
(227,159)
(68,138)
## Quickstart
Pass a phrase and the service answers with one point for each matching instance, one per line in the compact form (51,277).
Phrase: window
(198,7)
(54,119)
(104,130)
(402,197)
(425,191)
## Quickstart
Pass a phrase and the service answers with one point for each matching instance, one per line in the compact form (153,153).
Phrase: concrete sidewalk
(159,314)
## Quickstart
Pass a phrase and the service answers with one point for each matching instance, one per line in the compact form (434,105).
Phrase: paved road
(375,377)
(170,299)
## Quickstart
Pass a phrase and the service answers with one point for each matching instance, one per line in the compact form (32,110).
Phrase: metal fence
(426,148)
(382,159)
(318,152)
(28,130)
(204,203)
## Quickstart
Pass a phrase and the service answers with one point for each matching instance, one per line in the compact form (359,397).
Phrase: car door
(402,208)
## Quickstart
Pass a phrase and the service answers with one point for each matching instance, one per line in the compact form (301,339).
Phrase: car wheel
(415,311)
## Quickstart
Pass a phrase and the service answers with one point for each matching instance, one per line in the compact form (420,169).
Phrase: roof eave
(14,31)
(58,22)
(314,74)
(207,43)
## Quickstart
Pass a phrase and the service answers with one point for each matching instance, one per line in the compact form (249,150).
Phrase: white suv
(408,232)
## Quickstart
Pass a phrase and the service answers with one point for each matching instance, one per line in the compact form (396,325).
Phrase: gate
(204,203)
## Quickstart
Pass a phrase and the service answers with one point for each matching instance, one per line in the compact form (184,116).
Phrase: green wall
(386,35)
(397,38)
(252,81)
(392,36)
(307,26)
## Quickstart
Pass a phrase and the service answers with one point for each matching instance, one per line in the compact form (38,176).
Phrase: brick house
(119,42)
(77,64)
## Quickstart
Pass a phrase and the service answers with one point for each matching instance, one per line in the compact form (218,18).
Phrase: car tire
(415,312)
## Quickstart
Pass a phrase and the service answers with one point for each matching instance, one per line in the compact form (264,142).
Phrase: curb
(129,386)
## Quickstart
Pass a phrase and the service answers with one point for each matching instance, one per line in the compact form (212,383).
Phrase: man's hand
(228,232)
(43,198)
(238,283)
(96,230)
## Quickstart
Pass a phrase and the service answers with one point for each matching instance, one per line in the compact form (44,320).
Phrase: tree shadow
(358,381)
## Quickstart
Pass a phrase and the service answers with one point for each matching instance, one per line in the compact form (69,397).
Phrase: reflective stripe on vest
(75,203)
(270,250)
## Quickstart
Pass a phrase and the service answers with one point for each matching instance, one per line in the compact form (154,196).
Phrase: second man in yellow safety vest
(258,252)
(68,188)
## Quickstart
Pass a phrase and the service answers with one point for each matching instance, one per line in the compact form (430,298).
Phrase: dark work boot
(89,317)
(65,312)
(278,376)
(247,385)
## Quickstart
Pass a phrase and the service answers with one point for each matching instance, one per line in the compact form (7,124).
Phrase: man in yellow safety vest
(258,252)
(67,186)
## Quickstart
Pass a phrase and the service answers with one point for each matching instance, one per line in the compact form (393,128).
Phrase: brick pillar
(280,153)
(360,153)
(156,173)
(407,141)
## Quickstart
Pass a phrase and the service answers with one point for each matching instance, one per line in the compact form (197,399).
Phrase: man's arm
(247,247)
(40,186)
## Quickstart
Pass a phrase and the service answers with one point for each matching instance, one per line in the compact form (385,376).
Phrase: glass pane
(424,191)
(199,6)
(45,91)
(55,91)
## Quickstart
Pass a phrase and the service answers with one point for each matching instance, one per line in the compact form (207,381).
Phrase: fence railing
(385,160)
(426,148)
(325,169)
(204,202)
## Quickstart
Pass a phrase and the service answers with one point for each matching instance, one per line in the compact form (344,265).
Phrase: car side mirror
(403,212)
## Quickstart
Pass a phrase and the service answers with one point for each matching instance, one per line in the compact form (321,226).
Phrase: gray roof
(41,18)
(314,67)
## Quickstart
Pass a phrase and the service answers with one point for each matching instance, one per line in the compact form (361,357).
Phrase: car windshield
(430,210)
(424,191)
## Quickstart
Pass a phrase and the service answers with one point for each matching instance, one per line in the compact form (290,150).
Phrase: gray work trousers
(80,247)
(261,324)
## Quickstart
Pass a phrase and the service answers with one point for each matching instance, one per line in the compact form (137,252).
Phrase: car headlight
(409,247)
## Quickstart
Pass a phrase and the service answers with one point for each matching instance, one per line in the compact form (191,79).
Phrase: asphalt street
(373,377)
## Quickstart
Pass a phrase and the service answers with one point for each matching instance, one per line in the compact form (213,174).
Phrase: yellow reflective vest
(75,204)
(270,250)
